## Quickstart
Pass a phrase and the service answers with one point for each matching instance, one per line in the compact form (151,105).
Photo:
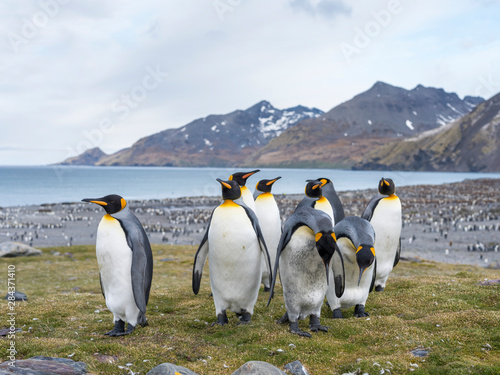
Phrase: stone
(258,368)
(18,296)
(41,365)
(17,249)
(296,368)
(490,282)
(420,352)
(170,369)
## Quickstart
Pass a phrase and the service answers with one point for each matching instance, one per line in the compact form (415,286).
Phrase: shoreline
(452,223)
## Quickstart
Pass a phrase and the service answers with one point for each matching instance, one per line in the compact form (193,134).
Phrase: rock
(41,365)
(17,249)
(490,282)
(420,352)
(170,369)
(258,368)
(18,296)
(296,368)
(7,331)
(106,358)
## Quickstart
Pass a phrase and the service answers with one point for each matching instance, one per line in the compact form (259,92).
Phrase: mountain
(342,136)
(89,157)
(469,144)
(215,140)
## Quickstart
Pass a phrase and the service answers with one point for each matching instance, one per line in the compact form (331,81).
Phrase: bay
(26,185)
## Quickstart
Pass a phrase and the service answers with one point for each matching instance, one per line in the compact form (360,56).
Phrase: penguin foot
(244,317)
(359,311)
(284,319)
(118,330)
(379,288)
(337,314)
(221,319)
(314,324)
(294,328)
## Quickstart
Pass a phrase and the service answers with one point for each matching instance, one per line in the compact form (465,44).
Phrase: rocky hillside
(470,144)
(375,129)
(90,157)
(216,140)
(342,136)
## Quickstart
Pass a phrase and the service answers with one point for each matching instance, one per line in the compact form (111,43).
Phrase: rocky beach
(454,223)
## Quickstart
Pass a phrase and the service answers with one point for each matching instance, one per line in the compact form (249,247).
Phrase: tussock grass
(438,307)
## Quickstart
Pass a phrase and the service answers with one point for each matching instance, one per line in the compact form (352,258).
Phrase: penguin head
(230,189)
(324,181)
(266,185)
(386,186)
(365,256)
(313,189)
(111,203)
(326,244)
(241,177)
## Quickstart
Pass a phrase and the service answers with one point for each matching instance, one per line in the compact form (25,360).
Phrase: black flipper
(142,262)
(370,208)
(374,275)
(262,243)
(200,259)
(398,254)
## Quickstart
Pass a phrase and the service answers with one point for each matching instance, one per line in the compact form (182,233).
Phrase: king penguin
(355,239)
(268,213)
(246,194)
(234,245)
(315,199)
(307,251)
(384,213)
(328,191)
(125,264)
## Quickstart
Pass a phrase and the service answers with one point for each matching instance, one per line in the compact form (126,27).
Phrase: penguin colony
(318,254)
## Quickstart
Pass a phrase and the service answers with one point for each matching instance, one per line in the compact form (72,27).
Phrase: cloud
(326,8)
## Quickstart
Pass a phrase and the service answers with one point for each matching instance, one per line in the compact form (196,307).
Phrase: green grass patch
(438,307)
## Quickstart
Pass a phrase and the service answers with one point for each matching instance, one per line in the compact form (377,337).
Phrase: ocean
(27,185)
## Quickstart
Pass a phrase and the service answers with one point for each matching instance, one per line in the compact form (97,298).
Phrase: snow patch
(442,120)
(410,124)
(369,122)
(414,113)
(207,142)
(214,128)
(454,109)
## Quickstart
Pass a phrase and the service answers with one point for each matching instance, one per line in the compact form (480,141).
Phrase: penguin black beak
(96,201)
(327,269)
(224,183)
(250,173)
(273,181)
(361,272)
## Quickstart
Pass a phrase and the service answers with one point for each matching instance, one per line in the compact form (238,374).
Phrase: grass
(438,307)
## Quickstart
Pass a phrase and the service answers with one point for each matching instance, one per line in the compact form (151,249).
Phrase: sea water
(25,185)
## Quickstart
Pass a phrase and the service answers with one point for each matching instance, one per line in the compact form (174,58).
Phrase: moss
(436,306)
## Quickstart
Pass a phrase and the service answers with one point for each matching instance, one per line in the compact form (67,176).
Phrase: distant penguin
(355,239)
(125,264)
(268,213)
(315,199)
(234,245)
(246,194)
(384,213)
(328,191)
(307,253)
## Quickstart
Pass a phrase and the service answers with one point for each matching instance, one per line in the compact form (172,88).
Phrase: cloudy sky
(79,74)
